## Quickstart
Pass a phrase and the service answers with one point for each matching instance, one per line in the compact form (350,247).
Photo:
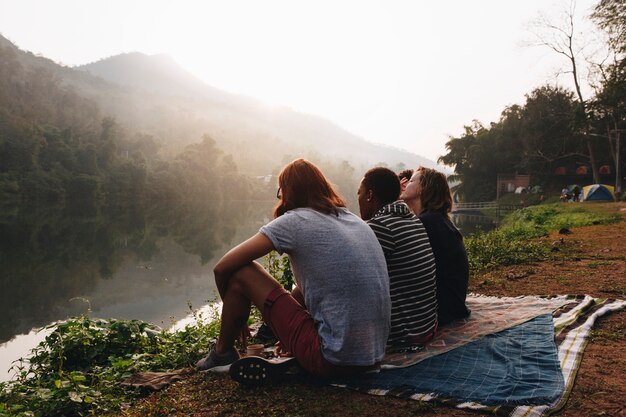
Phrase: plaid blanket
(525,370)
(489,315)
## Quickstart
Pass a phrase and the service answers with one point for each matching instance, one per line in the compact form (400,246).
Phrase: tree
(528,139)
(562,39)
(547,130)
(610,101)
(610,15)
(476,158)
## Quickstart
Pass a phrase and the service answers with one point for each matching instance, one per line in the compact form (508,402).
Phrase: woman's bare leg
(250,284)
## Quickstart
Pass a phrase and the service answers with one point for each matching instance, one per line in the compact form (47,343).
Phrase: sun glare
(304,57)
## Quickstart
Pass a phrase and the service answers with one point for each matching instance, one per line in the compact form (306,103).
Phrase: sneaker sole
(254,370)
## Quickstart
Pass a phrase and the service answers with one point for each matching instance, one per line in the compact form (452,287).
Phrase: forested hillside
(137,127)
(57,145)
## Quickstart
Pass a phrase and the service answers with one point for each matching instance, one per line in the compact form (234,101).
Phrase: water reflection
(470,224)
(124,262)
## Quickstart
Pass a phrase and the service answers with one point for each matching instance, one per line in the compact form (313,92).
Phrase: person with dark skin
(410,260)
(336,320)
(428,195)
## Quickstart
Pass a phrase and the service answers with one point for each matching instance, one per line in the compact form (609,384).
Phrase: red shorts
(293,325)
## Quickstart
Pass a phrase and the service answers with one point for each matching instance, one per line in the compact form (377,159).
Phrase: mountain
(153,95)
(242,121)
(158,74)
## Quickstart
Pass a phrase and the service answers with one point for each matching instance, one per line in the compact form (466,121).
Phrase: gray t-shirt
(340,268)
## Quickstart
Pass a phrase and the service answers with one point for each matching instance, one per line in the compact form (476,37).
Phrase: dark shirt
(451,263)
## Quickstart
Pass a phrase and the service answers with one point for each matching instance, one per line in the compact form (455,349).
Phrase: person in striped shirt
(410,260)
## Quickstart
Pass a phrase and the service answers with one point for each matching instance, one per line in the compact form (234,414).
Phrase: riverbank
(589,260)
(79,369)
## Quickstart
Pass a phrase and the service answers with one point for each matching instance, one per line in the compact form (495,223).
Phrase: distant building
(508,183)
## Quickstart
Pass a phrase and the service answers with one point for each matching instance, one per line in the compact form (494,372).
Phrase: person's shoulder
(307,213)
(430,216)
(343,211)
(293,215)
(434,220)
(301,212)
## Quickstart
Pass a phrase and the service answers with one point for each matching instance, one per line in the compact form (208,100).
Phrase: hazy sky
(405,73)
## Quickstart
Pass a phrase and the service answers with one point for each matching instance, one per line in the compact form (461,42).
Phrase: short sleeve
(384,236)
(282,232)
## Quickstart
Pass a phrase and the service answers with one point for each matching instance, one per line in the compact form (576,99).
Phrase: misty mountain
(157,74)
(154,95)
(238,122)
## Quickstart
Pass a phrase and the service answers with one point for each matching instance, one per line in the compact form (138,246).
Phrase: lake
(126,263)
(146,263)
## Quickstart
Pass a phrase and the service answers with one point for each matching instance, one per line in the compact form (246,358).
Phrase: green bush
(78,369)
(487,250)
(279,267)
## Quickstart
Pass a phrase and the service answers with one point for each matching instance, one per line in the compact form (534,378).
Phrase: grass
(556,216)
(598,264)
(513,242)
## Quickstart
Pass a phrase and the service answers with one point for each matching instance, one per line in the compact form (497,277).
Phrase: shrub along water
(78,369)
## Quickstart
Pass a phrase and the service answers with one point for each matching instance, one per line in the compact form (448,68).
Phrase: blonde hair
(435,192)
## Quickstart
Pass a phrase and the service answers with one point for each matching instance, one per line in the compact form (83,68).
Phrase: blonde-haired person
(428,195)
(336,320)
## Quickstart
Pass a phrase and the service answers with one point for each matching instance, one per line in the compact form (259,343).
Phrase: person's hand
(403,182)
(279,352)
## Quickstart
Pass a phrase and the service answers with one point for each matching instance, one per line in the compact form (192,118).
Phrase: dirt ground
(589,260)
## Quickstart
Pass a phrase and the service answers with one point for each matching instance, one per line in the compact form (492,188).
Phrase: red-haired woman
(428,196)
(336,321)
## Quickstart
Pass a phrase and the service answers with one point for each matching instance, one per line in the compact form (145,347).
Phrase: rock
(565,231)
(516,275)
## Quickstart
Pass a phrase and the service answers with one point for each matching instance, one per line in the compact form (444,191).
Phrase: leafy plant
(78,369)
(280,268)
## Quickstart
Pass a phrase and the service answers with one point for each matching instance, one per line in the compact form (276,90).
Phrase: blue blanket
(518,366)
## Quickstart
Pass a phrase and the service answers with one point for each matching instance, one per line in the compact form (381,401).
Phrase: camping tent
(598,192)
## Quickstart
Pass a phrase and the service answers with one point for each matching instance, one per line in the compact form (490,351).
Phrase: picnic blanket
(525,370)
(489,315)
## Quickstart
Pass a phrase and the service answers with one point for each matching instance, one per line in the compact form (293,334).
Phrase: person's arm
(238,257)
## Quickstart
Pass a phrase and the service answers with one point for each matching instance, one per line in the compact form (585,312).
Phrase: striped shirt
(411,267)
